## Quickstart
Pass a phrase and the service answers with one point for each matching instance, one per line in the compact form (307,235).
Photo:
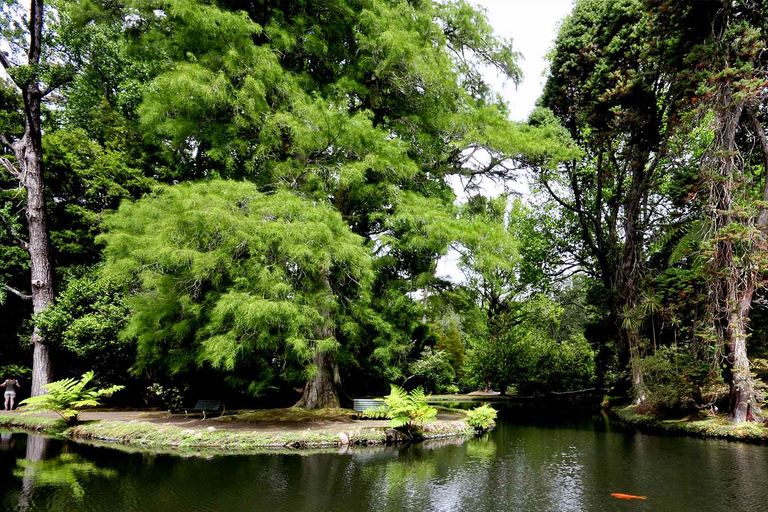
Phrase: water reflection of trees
(66,470)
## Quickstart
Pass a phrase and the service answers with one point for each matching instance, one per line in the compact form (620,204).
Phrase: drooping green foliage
(225,275)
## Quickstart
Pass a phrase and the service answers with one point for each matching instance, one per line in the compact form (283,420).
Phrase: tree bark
(322,389)
(630,271)
(734,277)
(28,170)
(30,157)
(743,396)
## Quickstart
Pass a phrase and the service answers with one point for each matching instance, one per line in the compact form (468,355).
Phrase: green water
(566,465)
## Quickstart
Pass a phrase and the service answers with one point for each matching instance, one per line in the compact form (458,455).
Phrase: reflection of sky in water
(540,466)
(566,488)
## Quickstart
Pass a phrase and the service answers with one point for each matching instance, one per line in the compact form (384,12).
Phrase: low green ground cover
(717,426)
(42,425)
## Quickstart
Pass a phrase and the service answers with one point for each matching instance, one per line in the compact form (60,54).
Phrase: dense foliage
(253,199)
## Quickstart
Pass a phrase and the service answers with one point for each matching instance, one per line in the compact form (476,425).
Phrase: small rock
(211,429)
(199,435)
(343,439)
(187,432)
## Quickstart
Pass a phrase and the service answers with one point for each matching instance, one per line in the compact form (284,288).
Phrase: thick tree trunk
(29,155)
(39,253)
(734,276)
(321,390)
(743,396)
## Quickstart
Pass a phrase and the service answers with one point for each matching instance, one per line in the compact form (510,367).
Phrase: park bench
(206,406)
(363,404)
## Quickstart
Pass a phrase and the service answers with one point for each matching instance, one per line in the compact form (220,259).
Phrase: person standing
(10,386)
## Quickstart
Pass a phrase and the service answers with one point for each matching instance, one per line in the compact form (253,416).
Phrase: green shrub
(672,378)
(433,369)
(482,418)
(406,411)
(451,389)
(67,397)
(171,397)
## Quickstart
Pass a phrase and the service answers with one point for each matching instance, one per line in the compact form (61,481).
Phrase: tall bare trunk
(30,157)
(28,170)
(743,397)
(39,255)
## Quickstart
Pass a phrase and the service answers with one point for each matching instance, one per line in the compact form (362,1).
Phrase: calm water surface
(568,465)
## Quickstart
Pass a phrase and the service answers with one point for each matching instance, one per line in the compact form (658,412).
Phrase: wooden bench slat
(363,404)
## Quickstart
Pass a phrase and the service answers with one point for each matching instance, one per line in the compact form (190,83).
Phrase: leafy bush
(406,411)
(171,397)
(482,418)
(532,361)
(672,378)
(451,389)
(434,370)
(67,397)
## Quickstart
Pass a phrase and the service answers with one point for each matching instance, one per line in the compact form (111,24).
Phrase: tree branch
(21,242)
(17,292)
(5,141)
(11,169)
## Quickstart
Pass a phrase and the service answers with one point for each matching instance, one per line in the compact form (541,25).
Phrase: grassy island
(290,428)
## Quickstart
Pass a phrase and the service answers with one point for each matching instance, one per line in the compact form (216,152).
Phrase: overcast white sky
(532,25)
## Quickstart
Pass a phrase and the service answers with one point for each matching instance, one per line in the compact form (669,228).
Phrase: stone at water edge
(211,429)
(199,435)
(343,439)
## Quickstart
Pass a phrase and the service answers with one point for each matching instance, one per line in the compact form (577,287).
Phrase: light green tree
(267,286)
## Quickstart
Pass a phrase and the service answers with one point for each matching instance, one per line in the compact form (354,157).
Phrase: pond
(534,465)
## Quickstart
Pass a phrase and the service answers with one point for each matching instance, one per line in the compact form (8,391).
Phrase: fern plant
(482,418)
(406,411)
(67,397)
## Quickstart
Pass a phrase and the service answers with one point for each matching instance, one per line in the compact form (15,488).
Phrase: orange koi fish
(627,496)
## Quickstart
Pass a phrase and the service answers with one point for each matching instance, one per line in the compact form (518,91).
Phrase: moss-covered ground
(717,426)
